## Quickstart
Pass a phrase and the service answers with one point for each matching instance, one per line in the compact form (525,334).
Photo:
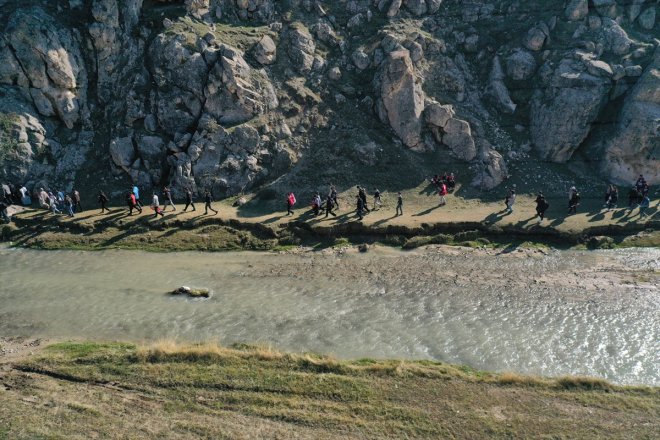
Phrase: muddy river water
(548,313)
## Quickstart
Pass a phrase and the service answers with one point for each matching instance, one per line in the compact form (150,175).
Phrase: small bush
(583,383)
(7,231)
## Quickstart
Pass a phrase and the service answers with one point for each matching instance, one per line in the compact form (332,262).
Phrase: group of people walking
(58,201)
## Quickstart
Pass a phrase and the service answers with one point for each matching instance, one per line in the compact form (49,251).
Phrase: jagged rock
(634,71)
(265,51)
(577,10)
(520,65)
(394,8)
(599,68)
(360,59)
(324,32)
(458,136)
(197,8)
(491,170)
(634,148)
(50,57)
(402,98)
(438,115)
(334,73)
(647,18)
(616,39)
(417,7)
(562,115)
(122,151)
(535,38)
(152,152)
(607,8)
(301,48)
(498,90)
(356,21)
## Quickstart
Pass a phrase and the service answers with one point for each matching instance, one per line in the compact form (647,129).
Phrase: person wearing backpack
(643,205)
(131,201)
(168,198)
(377,201)
(360,207)
(333,195)
(399,204)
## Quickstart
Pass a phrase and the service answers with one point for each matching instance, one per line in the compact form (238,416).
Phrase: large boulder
(458,137)
(491,170)
(265,51)
(562,112)
(520,65)
(634,148)
(122,151)
(50,57)
(577,10)
(401,98)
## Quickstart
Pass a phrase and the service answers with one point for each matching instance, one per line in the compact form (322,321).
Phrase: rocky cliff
(232,94)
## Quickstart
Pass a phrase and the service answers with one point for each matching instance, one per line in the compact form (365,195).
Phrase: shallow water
(490,312)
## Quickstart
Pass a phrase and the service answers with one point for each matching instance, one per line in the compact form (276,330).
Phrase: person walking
(136,193)
(359,207)
(643,206)
(571,193)
(574,203)
(290,201)
(44,200)
(70,205)
(189,200)
(168,199)
(362,193)
(377,202)
(316,204)
(612,197)
(25,196)
(451,182)
(155,205)
(131,201)
(511,199)
(399,204)
(208,198)
(76,200)
(442,192)
(52,200)
(4,204)
(541,206)
(333,195)
(633,198)
(328,207)
(103,199)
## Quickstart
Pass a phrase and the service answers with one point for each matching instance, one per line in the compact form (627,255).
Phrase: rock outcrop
(228,95)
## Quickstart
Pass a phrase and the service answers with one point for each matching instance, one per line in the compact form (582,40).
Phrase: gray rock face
(647,18)
(51,60)
(122,151)
(458,136)
(616,39)
(265,51)
(634,148)
(577,10)
(498,90)
(561,117)
(402,98)
(301,48)
(491,170)
(520,65)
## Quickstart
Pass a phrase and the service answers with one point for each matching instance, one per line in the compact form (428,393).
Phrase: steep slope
(230,95)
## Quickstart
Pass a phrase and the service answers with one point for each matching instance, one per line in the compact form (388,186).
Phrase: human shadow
(429,189)
(385,220)
(496,216)
(427,211)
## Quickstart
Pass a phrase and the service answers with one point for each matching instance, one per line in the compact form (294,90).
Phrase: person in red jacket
(290,201)
(442,193)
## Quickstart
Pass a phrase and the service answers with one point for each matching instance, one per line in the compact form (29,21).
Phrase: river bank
(534,311)
(166,390)
(246,227)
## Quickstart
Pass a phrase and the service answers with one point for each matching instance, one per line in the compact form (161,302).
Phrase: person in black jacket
(189,200)
(103,199)
(207,202)
(541,206)
(329,204)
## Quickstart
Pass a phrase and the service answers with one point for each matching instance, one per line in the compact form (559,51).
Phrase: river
(549,313)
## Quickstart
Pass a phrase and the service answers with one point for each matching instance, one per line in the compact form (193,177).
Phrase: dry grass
(172,390)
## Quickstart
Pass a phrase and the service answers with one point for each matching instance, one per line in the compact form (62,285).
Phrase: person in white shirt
(155,205)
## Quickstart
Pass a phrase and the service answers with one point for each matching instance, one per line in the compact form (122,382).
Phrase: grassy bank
(259,225)
(116,390)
